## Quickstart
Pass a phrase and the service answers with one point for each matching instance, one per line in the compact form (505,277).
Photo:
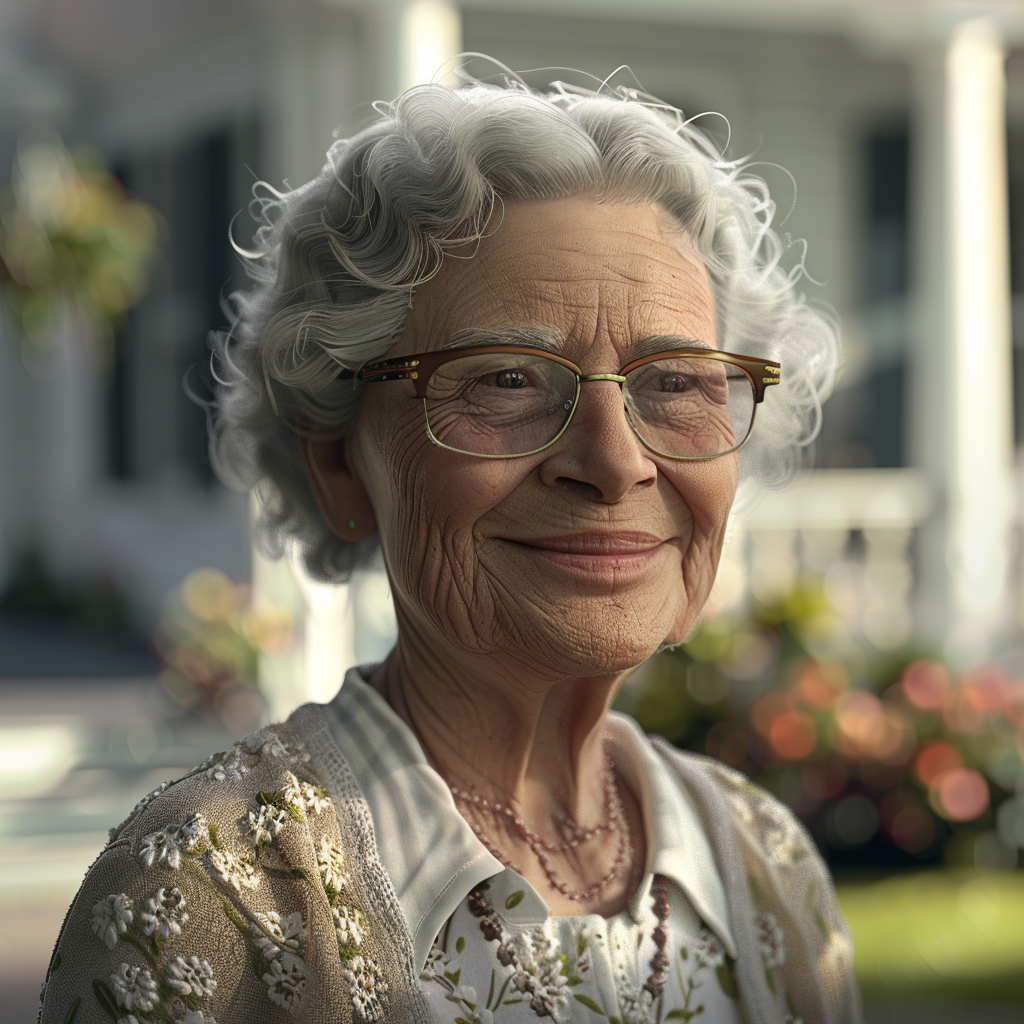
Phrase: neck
(532,742)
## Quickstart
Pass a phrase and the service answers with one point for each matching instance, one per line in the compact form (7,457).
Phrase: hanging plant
(72,240)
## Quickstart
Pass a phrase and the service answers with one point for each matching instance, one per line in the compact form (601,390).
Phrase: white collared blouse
(488,948)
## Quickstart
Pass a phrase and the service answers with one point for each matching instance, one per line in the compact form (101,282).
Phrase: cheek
(708,490)
(428,503)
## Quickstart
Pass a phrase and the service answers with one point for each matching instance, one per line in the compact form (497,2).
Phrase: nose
(599,453)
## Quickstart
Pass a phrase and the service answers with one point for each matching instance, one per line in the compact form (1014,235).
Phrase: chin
(602,645)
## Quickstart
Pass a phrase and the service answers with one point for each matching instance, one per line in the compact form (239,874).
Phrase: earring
(351,524)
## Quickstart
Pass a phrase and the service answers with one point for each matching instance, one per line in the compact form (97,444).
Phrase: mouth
(617,556)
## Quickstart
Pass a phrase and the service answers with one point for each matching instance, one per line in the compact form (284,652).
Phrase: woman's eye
(510,379)
(676,382)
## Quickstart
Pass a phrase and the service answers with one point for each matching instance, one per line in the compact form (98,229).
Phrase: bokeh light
(935,758)
(793,735)
(926,684)
(960,794)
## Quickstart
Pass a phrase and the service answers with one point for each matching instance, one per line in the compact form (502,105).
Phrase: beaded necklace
(614,823)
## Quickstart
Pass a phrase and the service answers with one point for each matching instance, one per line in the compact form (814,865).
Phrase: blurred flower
(960,794)
(933,759)
(793,735)
(821,683)
(867,751)
(926,684)
(210,638)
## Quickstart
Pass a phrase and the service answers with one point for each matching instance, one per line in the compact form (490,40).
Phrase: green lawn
(939,935)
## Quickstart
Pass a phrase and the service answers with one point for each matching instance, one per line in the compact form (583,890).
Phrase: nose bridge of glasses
(616,377)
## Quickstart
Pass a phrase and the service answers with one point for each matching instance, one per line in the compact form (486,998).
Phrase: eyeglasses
(506,401)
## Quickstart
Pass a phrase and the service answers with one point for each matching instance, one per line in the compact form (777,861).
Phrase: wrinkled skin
(508,657)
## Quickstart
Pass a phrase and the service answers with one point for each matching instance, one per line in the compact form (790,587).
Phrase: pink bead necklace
(614,822)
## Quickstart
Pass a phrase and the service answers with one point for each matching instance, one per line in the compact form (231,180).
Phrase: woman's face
(583,558)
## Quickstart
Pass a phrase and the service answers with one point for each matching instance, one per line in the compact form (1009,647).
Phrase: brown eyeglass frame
(420,367)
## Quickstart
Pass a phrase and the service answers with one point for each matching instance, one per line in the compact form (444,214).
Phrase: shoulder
(766,827)
(214,893)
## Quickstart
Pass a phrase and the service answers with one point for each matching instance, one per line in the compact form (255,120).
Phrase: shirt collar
(433,857)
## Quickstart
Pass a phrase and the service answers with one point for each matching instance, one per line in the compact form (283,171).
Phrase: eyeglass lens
(503,404)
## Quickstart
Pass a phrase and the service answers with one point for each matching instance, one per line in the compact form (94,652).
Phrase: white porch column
(409,42)
(961,410)
(430,32)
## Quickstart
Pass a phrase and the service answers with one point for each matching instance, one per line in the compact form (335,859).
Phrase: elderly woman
(517,340)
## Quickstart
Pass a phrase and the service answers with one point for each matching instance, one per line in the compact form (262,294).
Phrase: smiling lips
(614,555)
(597,542)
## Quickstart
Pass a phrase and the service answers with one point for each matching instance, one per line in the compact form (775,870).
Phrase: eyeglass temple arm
(387,369)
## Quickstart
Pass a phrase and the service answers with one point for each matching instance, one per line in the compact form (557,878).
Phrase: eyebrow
(663,343)
(546,338)
(549,339)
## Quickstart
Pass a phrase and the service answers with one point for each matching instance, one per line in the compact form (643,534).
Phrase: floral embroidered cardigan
(251,891)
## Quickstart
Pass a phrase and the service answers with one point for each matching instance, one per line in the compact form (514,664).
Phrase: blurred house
(902,123)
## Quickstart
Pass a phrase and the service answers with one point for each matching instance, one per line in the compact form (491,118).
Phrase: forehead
(592,271)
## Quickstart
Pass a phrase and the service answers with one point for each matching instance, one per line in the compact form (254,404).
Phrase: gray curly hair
(336,262)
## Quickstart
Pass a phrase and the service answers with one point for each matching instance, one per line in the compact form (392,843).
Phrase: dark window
(1015,171)
(863,424)
(198,184)
(887,186)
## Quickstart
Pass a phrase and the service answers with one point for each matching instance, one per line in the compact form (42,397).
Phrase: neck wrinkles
(534,744)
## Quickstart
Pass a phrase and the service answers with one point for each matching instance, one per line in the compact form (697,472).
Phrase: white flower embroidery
(130,1019)
(161,847)
(367,988)
(134,987)
(192,832)
(304,795)
(541,975)
(165,913)
(330,859)
(111,917)
(198,1017)
(268,744)
(265,823)
(464,994)
(349,926)
(166,846)
(709,948)
(637,1005)
(230,768)
(772,940)
(437,961)
(286,982)
(275,934)
(316,799)
(238,871)
(265,743)
(191,977)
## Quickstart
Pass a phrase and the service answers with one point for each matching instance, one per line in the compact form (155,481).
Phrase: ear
(339,491)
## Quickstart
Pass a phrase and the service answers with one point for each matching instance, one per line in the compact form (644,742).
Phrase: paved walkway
(76,755)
